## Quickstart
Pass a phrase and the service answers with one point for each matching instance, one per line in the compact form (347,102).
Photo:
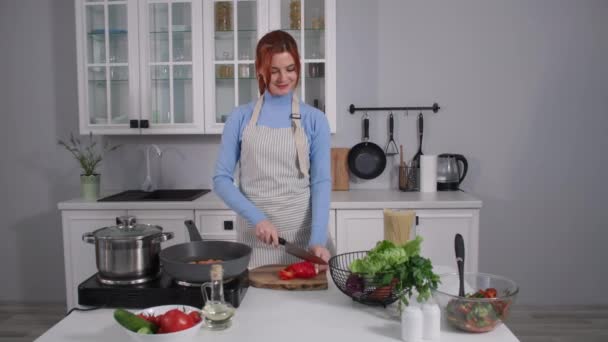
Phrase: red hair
(272,43)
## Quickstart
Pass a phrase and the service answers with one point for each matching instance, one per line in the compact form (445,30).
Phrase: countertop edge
(347,200)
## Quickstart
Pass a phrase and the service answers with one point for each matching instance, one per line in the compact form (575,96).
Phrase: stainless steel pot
(128,252)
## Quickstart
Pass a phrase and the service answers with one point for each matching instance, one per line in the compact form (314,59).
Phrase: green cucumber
(145,330)
(133,322)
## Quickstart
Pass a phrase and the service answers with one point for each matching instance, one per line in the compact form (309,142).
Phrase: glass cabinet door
(305,21)
(170,63)
(107,62)
(235,37)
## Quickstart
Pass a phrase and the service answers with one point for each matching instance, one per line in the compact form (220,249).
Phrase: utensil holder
(408,178)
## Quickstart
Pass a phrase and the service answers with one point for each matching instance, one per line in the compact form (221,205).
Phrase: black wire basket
(362,289)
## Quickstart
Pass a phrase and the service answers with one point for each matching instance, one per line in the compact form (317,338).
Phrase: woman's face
(283,75)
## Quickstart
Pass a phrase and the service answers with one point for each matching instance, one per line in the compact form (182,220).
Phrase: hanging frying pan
(366,160)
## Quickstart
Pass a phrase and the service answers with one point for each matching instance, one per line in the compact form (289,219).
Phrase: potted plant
(89,157)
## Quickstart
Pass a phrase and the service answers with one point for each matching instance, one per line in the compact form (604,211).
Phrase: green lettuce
(387,261)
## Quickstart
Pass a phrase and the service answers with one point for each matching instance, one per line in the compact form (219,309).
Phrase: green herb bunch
(87,154)
(401,266)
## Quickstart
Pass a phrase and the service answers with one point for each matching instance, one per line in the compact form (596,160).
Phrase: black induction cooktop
(167,195)
(162,291)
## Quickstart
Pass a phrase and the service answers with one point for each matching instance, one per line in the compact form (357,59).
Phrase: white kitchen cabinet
(180,67)
(79,257)
(438,228)
(139,66)
(221,225)
(216,224)
(229,53)
(359,230)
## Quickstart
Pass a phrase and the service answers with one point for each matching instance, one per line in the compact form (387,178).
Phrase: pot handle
(88,238)
(162,237)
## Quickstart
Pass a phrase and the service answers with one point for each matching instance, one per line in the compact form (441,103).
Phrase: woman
(283,148)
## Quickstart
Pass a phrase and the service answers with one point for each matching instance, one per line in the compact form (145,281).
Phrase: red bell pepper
(304,270)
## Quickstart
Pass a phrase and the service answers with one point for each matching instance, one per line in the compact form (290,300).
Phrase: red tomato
(196,316)
(175,320)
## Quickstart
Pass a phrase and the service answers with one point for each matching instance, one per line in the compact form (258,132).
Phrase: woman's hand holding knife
(266,232)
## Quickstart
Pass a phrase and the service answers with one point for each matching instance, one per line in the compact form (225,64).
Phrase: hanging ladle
(391,147)
(459,249)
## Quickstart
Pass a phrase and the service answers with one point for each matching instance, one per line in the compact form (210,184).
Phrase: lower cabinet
(359,230)
(348,230)
(221,225)
(79,257)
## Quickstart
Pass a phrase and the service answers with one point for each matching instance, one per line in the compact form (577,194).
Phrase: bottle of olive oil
(217,313)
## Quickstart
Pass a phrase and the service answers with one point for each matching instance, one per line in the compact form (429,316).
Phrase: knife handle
(282,241)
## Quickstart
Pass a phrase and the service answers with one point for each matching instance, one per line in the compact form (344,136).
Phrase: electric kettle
(451,169)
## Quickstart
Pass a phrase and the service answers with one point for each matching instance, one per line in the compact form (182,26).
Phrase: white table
(273,315)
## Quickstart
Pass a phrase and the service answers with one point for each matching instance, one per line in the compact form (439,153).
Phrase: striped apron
(274,166)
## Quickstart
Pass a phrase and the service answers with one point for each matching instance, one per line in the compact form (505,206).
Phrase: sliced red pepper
(304,269)
(285,274)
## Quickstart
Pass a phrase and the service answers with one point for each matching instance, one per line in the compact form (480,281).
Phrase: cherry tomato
(490,293)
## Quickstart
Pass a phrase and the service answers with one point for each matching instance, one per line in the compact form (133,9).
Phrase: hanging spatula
(416,160)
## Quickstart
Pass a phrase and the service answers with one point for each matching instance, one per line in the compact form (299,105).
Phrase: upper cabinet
(140,67)
(180,67)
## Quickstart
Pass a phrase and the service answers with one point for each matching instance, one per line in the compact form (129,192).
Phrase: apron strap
(299,136)
(298,131)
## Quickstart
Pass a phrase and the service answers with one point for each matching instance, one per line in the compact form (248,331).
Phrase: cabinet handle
(416,219)
(144,123)
(228,225)
(133,123)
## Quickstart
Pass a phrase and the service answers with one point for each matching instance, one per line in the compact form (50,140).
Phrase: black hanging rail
(352,109)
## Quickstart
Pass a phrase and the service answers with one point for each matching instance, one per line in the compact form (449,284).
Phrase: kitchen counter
(274,315)
(353,199)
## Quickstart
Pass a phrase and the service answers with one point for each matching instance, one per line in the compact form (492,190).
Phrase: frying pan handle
(365,129)
(162,237)
(193,231)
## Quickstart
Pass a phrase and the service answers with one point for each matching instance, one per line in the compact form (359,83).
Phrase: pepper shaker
(411,324)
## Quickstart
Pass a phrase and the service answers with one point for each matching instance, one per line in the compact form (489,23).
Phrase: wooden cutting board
(339,168)
(267,277)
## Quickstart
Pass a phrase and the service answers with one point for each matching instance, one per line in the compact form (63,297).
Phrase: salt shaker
(411,324)
(431,321)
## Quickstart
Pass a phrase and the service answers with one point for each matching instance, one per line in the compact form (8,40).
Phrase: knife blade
(301,253)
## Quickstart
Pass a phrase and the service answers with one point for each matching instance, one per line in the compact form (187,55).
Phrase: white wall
(523,95)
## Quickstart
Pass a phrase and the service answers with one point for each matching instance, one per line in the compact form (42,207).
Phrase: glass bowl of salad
(487,302)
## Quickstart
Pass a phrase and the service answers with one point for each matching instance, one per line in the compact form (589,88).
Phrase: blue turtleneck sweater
(275,113)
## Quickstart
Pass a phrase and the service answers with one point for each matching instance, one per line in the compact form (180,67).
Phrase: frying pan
(175,259)
(366,160)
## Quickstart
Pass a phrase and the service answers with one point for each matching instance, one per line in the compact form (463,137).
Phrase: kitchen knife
(301,253)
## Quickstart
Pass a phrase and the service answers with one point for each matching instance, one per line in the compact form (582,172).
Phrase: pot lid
(127,228)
